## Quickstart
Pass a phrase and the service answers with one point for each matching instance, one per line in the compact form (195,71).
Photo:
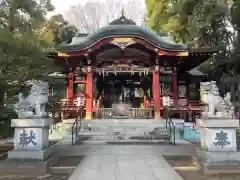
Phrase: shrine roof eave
(196,72)
(204,50)
(113,31)
(191,62)
(198,56)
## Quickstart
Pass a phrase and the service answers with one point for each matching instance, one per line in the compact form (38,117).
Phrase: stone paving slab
(121,167)
(165,150)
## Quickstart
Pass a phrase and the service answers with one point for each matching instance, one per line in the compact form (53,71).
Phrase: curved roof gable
(122,27)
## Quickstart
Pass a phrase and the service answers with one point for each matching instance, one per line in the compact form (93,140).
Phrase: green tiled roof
(122,30)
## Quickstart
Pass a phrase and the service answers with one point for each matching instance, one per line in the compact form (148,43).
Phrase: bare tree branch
(135,10)
(93,15)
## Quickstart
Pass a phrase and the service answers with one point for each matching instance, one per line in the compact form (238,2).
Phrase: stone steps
(123,133)
(127,131)
(62,170)
(123,129)
(125,142)
(114,121)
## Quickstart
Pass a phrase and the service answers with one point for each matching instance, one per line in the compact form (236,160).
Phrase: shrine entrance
(122,94)
(123,88)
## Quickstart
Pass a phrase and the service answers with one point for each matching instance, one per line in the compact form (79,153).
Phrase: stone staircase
(114,131)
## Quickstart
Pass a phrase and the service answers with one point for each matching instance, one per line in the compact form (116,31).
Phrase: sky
(61,6)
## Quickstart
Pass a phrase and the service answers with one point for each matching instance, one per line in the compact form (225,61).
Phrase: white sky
(63,5)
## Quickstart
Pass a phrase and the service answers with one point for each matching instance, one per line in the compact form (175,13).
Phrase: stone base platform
(27,168)
(218,162)
(31,155)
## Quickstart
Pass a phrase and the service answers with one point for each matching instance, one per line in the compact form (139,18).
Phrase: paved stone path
(83,150)
(120,166)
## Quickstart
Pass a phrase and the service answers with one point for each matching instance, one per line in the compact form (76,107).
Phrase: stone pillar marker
(218,152)
(31,139)
(218,135)
(32,151)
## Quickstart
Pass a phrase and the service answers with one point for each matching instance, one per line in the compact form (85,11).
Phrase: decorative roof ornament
(122,42)
(123,12)
(122,20)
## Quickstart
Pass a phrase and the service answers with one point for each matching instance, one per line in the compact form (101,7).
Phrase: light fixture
(89,69)
(89,61)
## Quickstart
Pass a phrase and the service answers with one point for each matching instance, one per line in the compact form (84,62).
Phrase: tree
(157,14)
(22,56)
(209,22)
(194,22)
(57,30)
(198,23)
(201,23)
(23,14)
(89,17)
(21,52)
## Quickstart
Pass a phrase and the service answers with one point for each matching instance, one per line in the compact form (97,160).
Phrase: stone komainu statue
(215,105)
(34,105)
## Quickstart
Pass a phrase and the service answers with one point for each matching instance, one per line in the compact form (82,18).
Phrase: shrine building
(130,68)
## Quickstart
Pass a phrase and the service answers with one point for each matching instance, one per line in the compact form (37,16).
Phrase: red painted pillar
(145,102)
(156,92)
(50,91)
(174,87)
(70,93)
(89,95)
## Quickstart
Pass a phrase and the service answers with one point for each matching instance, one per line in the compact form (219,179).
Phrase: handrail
(75,125)
(54,126)
(171,126)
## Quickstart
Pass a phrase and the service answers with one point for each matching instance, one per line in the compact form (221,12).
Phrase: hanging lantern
(81,100)
(89,61)
(132,72)
(147,71)
(89,69)
(115,70)
(103,72)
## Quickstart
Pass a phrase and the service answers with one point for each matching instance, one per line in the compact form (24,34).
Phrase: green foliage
(22,57)
(5,121)
(195,22)
(202,23)
(24,14)
(57,30)
(22,50)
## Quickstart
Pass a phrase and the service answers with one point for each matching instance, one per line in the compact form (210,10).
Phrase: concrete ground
(119,167)
(132,162)
(180,149)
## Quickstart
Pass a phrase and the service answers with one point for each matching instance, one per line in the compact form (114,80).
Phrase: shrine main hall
(124,70)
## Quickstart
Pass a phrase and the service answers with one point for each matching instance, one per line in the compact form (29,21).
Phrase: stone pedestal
(218,149)
(31,139)
(32,151)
